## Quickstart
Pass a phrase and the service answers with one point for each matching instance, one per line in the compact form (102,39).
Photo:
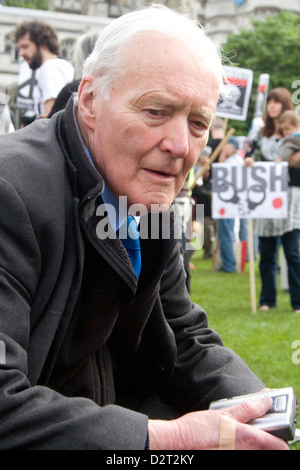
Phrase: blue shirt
(116,211)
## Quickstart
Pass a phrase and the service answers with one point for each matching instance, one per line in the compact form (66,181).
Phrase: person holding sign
(272,232)
(226,236)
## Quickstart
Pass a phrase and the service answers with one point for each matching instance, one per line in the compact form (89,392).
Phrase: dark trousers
(268,247)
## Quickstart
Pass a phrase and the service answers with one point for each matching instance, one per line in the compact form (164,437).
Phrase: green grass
(262,339)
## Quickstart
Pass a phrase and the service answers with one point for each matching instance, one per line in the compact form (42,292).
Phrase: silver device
(280,420)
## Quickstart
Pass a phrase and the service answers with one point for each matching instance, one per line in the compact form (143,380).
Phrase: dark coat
(139,339)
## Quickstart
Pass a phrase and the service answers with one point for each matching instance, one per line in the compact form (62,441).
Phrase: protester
(38,44)
(273,232)
(290,151)
(28,97)
(83,47)
(99,356)
(203,193)
(184,211)
(289,123)
(226,227)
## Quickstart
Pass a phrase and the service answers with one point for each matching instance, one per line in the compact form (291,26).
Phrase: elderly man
(99,355)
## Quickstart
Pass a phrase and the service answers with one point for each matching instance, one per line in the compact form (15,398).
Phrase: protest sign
(249,192)
(234,104)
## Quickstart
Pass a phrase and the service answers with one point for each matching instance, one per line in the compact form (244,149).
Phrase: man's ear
(86,98)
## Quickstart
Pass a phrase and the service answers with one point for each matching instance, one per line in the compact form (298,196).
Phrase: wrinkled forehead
(147,48)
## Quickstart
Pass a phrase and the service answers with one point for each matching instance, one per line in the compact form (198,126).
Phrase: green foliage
(273,47)
(262,339)
(33,4)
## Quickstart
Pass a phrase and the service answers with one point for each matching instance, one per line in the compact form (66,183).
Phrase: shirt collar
(116,211)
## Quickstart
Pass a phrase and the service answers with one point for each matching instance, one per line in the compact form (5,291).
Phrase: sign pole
(251,266)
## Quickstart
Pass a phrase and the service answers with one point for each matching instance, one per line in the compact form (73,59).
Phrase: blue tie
(132,244)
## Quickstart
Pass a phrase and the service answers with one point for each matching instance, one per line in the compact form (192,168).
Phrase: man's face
(30,52)
(150,133)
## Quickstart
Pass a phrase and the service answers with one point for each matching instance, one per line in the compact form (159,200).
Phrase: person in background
(6,123)
(273,232)
(289,123)
(38,44)
(226,233)
(203,193)
(104,348)
(217,133)
(83,47)
(184,210)
(28,97)
(290,152)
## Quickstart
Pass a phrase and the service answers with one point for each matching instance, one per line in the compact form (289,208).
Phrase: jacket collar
(89,182)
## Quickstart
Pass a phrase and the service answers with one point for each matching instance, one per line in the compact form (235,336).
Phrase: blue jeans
(268,266)
(226,240)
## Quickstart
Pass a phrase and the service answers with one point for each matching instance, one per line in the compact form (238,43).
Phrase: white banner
(259,192)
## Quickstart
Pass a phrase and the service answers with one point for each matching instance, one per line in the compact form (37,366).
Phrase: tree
(33,4)
(272,46)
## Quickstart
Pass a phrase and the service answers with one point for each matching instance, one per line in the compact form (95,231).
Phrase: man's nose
(176,139)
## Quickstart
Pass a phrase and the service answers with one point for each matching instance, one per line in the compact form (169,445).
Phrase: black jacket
(130,340)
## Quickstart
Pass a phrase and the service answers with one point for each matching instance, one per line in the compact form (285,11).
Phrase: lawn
(264,340)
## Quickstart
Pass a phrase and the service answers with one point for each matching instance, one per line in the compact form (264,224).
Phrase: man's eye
(199,126)
(154,112)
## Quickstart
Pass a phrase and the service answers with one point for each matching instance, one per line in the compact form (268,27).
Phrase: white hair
(105,62)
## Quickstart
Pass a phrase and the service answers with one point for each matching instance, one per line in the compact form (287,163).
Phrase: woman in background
(273,232)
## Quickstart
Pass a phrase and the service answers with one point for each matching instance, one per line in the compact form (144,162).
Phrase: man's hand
(200,430)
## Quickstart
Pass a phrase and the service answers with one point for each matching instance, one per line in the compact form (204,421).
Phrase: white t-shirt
(29,95)
(53,75)
(37,86)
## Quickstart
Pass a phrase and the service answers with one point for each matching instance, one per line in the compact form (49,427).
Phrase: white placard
(244,192)
(239,85)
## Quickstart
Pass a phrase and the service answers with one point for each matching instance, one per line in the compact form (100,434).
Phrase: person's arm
(48,105)
(51,81)
(33,416)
